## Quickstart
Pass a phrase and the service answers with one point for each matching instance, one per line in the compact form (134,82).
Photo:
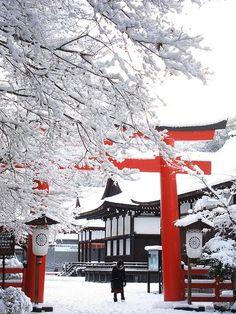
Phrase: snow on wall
(147,225)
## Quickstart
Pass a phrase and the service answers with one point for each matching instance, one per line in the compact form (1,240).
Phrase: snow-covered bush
(218,208)
(221,256)
(220,251)
(14,301)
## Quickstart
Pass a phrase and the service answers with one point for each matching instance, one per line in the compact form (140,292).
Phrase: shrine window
(120,225)
(108,228)
(87,235)
(127,224)
(127,246)
(114,227)
(114,247)
(121,247)
(108,248)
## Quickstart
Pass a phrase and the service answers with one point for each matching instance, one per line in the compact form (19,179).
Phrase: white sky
(190,100)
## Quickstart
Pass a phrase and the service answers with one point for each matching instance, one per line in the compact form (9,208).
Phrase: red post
(173,276)
(30,274)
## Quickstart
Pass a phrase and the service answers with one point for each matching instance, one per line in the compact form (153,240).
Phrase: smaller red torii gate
(173,275)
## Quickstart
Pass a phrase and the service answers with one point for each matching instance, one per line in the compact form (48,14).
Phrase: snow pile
(12,262)
(14,301)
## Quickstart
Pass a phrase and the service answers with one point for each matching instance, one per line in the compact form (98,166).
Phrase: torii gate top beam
(193,133)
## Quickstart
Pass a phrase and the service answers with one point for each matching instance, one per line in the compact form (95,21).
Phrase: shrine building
(129,227)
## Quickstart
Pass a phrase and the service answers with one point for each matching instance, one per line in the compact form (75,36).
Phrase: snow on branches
(73,74)
(221,249)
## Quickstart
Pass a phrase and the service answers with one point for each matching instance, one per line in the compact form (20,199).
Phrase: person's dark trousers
(122,296)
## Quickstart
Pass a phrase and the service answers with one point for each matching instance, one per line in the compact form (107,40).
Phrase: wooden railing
(79,267)
(101,271)
(206,289)
(14,282)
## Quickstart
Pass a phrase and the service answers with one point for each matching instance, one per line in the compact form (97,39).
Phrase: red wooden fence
(206,289)
(14,282)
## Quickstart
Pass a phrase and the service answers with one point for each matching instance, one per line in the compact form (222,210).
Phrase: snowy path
(72,295)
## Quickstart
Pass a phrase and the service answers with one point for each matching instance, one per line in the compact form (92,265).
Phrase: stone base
(39,309)
(190,308)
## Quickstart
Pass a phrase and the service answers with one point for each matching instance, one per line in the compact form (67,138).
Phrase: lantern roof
(42,220)
(193,219)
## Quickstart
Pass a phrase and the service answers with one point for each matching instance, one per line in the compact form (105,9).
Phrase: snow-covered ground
(72,295)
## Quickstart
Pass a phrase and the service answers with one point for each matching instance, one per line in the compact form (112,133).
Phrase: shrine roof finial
(112,188)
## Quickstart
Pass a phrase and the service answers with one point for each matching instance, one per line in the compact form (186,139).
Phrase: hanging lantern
(40,240)
(194,243)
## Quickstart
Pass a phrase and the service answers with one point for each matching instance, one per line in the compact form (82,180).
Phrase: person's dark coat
(117,279)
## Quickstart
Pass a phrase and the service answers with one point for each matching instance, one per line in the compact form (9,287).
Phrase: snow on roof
(153,248)
(94,223)
(192,218)
(91,197)
(67,236)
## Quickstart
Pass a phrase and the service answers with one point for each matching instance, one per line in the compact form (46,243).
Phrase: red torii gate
(173,276)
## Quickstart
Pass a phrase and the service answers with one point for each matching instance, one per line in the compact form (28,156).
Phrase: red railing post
(217,289)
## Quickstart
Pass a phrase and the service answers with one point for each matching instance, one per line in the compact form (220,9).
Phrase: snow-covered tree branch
(74,73)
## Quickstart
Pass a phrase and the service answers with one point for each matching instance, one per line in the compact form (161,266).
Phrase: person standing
(118,281)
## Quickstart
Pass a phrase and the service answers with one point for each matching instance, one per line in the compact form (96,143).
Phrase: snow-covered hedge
(12,262)
(14,301)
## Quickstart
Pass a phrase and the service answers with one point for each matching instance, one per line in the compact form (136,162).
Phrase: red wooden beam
(14,284)
(204,135)
(153,165)
(205,166)
(12,270)
(143,165)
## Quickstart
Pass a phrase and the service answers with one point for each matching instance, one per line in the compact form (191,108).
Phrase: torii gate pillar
(173,276)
